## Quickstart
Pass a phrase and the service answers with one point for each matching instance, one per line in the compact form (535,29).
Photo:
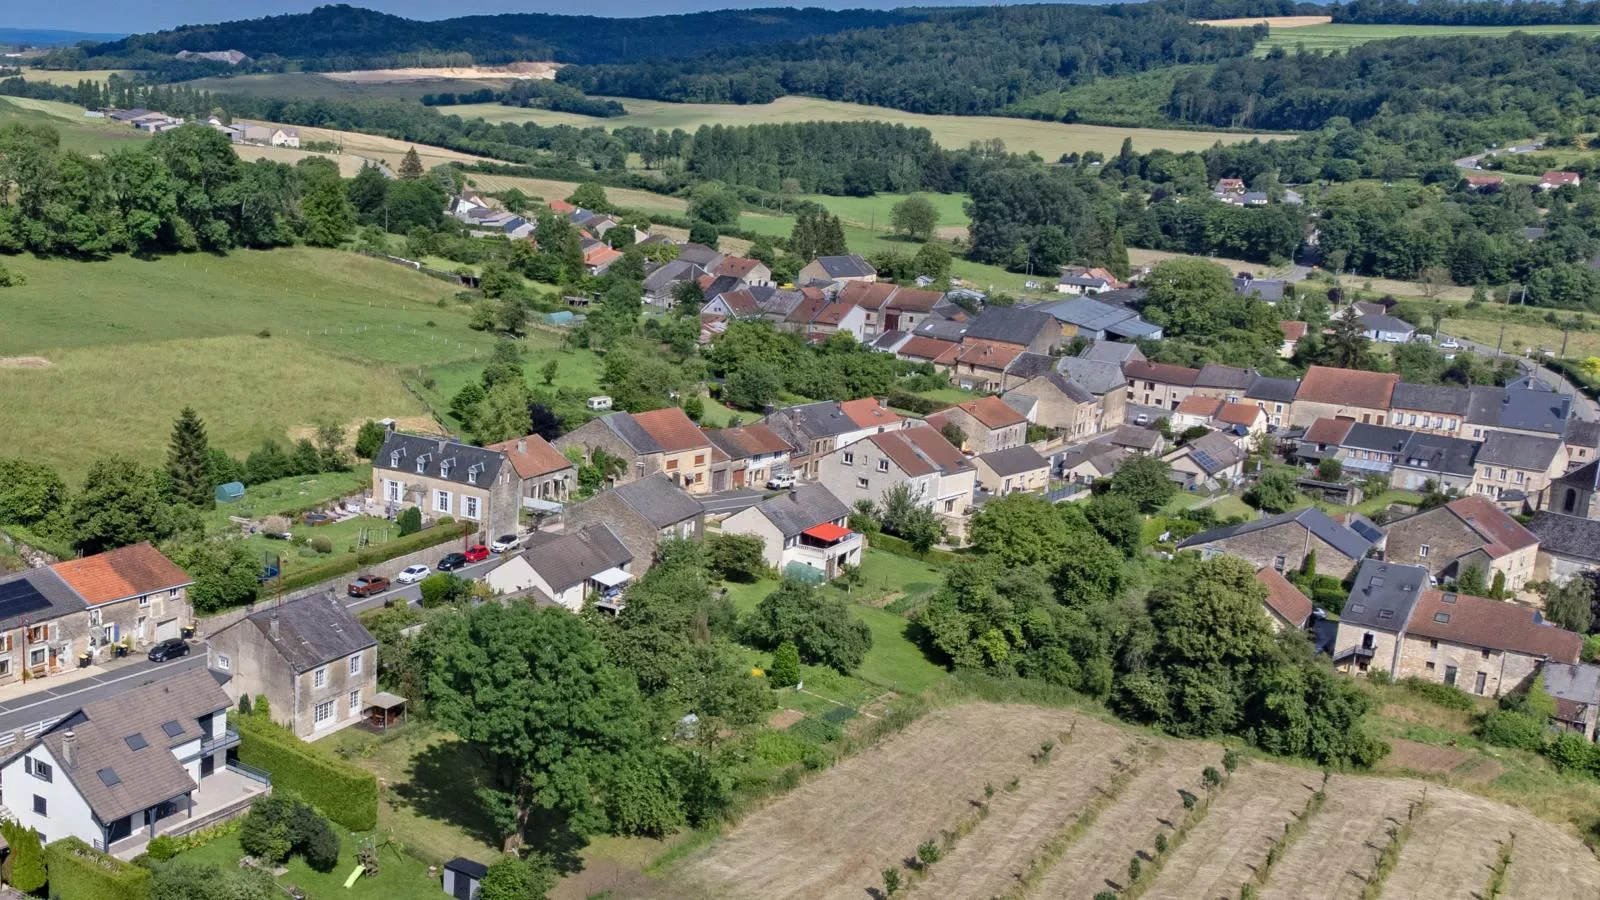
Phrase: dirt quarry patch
(539,71)
(24,362)
(1271,21)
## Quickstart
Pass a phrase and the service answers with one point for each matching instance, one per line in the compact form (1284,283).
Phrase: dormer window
(472,473)
(394,460)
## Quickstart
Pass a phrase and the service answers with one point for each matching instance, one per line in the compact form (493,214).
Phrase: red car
(477,553)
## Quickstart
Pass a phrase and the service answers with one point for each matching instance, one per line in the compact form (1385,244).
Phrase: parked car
(413,574)
(477,553)
(781,481)
(1449,343)
(1141,419)
(452,562)
(171,648)
(506,542)
(367,585)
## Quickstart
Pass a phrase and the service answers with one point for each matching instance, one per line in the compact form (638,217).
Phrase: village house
(1467,533)
(1086,280)
(1223,382)
(1484,183)
(1275,396)
(816,429)
(1211,461)
(937,353)
(1583,442)
(117,772)
(1097,320)
(1553,179)
(36,608)
(1283,541)
(568,569)
(938,475)
(1293,333)
(1084,464)
(446,478)
(1158,384)
(839,317)
(1517,468)
(1445,461)
(1343,393)
(986,423)
(982,365)
(804,531)
(547,478)
(643,513)
(1569,546)
(750,271)
(1482,646)
(1194,411)
(1360,449)
(837,268)
(133,594)
(1372,625)
(312,659)
(1287,608)
(1576,690)
(662,283)
(1573,493)
(1022,328)
(1067,401)
(1387,329)
(1139,439)
(755,451)
(909,307)
(1526,406)
(1020,468)
(658,441)
(1436,409)
(1270,291)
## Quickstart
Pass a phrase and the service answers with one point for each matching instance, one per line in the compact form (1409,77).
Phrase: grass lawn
(400,876)
(577,370)
(274,497)
(77,133)
(1344,36)
(128,342)
(876,213)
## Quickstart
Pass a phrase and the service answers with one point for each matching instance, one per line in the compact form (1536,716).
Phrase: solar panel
(136,742)
(172,728)
(19,597)
(109,777)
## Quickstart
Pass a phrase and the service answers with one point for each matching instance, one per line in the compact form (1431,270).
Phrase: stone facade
(258,668)
(1282,548)
(981,438)
(1435,539)
(595,433)
(637,533)
(1384,645)
(1476,670)
(145,620)
(494,506)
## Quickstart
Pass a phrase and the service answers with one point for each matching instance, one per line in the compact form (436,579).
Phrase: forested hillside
(1470,12)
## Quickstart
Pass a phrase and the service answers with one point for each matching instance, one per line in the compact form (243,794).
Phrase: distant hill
(43,37)
(345,37)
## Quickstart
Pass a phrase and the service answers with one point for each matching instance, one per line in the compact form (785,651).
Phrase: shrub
(1161,842)
(347,794)
(281,824)
(263,708)
(928,852)
(1211,777)
(24,868)
(785,671)
(322,545)
(1230,760)
(441,588)
(891,882)
(736,557)
(1512,729)
(409,520)
(1446,695)
(1134,869)
(80,872)
(244,704)
(162,847)
(1572,753)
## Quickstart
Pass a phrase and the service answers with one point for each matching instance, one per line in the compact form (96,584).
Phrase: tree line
(1465,12)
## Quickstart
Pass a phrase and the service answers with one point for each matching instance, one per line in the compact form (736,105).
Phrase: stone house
(446,478)
(1576,690)
(1223,382)
(806,527)
(1064,404)
(1084,464)
(1471,531)
(982,365)
(755,451)
(1436,409)
(1021,468)
(1524,406)
(659,441)
(1425,457)
(1287,608)
(314,661)
(753,272)
(987,423)
(1573,494)
(1283,541)
(132,592)
(1583,442)
(1209,461)
(568,568)
(919,457)
(1343,393)
(1158,384)
(1569,546)
(837,268)
(34,633)
(1482,646)
(643,513)
(1275,396)
(1032,330)
(545,474)
(816,429)
(1517,468)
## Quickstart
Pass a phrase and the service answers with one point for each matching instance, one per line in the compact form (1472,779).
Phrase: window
(672,465)
(1450,675)
(471,511)
(1482,682)
(5,666)
(355,701)
(441,501)
(1433,645)
(883,465)
(849,458)
(144,601)
(1422,552)
(1279,563)
(699,459)
(42,770)
(323,714)
(861,483)
(1485,652)
(1428,665)
(1519,478)
(355,664)
(319,678)
(223,662)
(36,656)
(391,491)
(40,807)
(1502,474)
(472,475)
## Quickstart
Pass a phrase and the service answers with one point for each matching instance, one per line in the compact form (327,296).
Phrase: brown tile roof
(833,313)
(749,440)
(992,412)
(1292,331)
(1239,414)
(120,574)
(868,412)
(741,302)
(1284,598)
(934,446)
(737,266)
(869,295)
(532,456)
(913,300)
(1328,430)
(562,206)
(1501,533)
(931,349)
(811,303)
(672,429)
(601,256)
(1165,373)
(1491,624)
(1197,405)
(1485,179)
(1347,387)
(920,450)
(988,355)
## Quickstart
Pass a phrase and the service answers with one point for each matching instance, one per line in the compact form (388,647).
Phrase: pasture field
(1272,21)
(1330,37)
(259,342)
(70,78)
(876,213)
(322,87)
(1048,139)
(77,133)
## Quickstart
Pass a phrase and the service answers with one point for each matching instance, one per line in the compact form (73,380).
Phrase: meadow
(260,342)
(77,132)
(1333,37)
(1049,139)
(318,86)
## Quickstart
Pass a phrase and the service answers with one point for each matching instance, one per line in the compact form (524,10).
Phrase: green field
(312,85)
(1048,139)
(77,132)
(1342,37)
(875,213)
(400,876)
(260,342)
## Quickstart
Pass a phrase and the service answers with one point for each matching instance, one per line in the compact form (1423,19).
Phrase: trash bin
(83,660)
(122,649)
(188,632)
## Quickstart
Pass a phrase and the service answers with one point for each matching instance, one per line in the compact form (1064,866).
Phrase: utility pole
(1501,340)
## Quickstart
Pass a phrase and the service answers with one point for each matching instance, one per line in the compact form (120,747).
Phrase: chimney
(522,446)
(69,750)
(272,626)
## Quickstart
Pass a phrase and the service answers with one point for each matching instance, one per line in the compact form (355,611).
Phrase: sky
(133,16)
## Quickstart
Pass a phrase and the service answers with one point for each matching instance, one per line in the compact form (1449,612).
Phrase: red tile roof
(1197,405)
(672,429)
(562,206)
(806,311)
(1244,414)
(868,412)
(1492,624)
(931,349)
(741,302)
(920,450)
(1284,598)
(869,295)
(120,574)
(1502,533)
(912,300)
(737,266)
(992,412)
(532,456)
(833,313)
(935,447)
(1485,179)
(1165,373)
(753,440)
(1558,177)
(1328,430)
(601,255)
(988,354)
(1292,330)
(1347,387)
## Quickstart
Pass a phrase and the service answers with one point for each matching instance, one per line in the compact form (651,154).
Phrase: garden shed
(462,877)
(228,493)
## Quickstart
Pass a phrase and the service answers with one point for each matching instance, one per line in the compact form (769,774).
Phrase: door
(463,887)
(208,766)
(167,629)
(1483,680)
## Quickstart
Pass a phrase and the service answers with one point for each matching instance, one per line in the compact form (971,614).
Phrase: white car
(505,542)
(781,481)
(413,574)
(1449,343)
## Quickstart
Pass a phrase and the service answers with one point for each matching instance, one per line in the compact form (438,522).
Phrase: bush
(736,557)
(24,868)
(244,704)
(928,852)
(281,824)
(1512,729)
(409,520)
(347,794)
(785,671)
(162,847)
(80,872)
(1572,753)
(1446,695)
(322,545)
(442,588)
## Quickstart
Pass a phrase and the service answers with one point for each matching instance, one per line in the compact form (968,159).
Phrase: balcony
(220,796)
(824,547)
(228,741)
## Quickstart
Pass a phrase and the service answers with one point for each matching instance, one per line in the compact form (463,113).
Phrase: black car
(171,648)
(451,562)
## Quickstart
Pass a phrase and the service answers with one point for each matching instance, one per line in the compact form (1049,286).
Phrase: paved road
(411,593)
(1583,408)
(52,702)
(1476,161)
(724,502)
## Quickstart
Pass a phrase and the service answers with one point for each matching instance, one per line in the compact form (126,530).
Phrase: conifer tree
(411,165)
(189,461)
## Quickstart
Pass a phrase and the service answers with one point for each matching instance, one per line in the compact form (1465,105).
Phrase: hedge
(347,563)
(888,543)
(80,872)
(342,792)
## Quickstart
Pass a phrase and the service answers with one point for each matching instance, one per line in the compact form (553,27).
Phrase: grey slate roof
(1387,325)
(1260,288)
(1010,324)
(1585,477)
(1135,328)
(1437,453)
(567,559)
(803,507)
(1020,402)
(1030,365)
(665,276)
(1114,352)
(1085,312)
(140,778)
(699,254)
(1275,390)
(1567,535)
(1214,452)
(1581,433)
(852,266)
(1213,375)
(1433,398)
(401,452)
(1382,438)
(312,631)
(632,433)
(941,328)
(1014,460)
(659,501)
(1522,408)
(1102,454)
(1093,376)
(815,420)
(1579,683)
(36,595)
(1522,451)
(1384,595)
(1130,296)
(1133,436)
(1314,520)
